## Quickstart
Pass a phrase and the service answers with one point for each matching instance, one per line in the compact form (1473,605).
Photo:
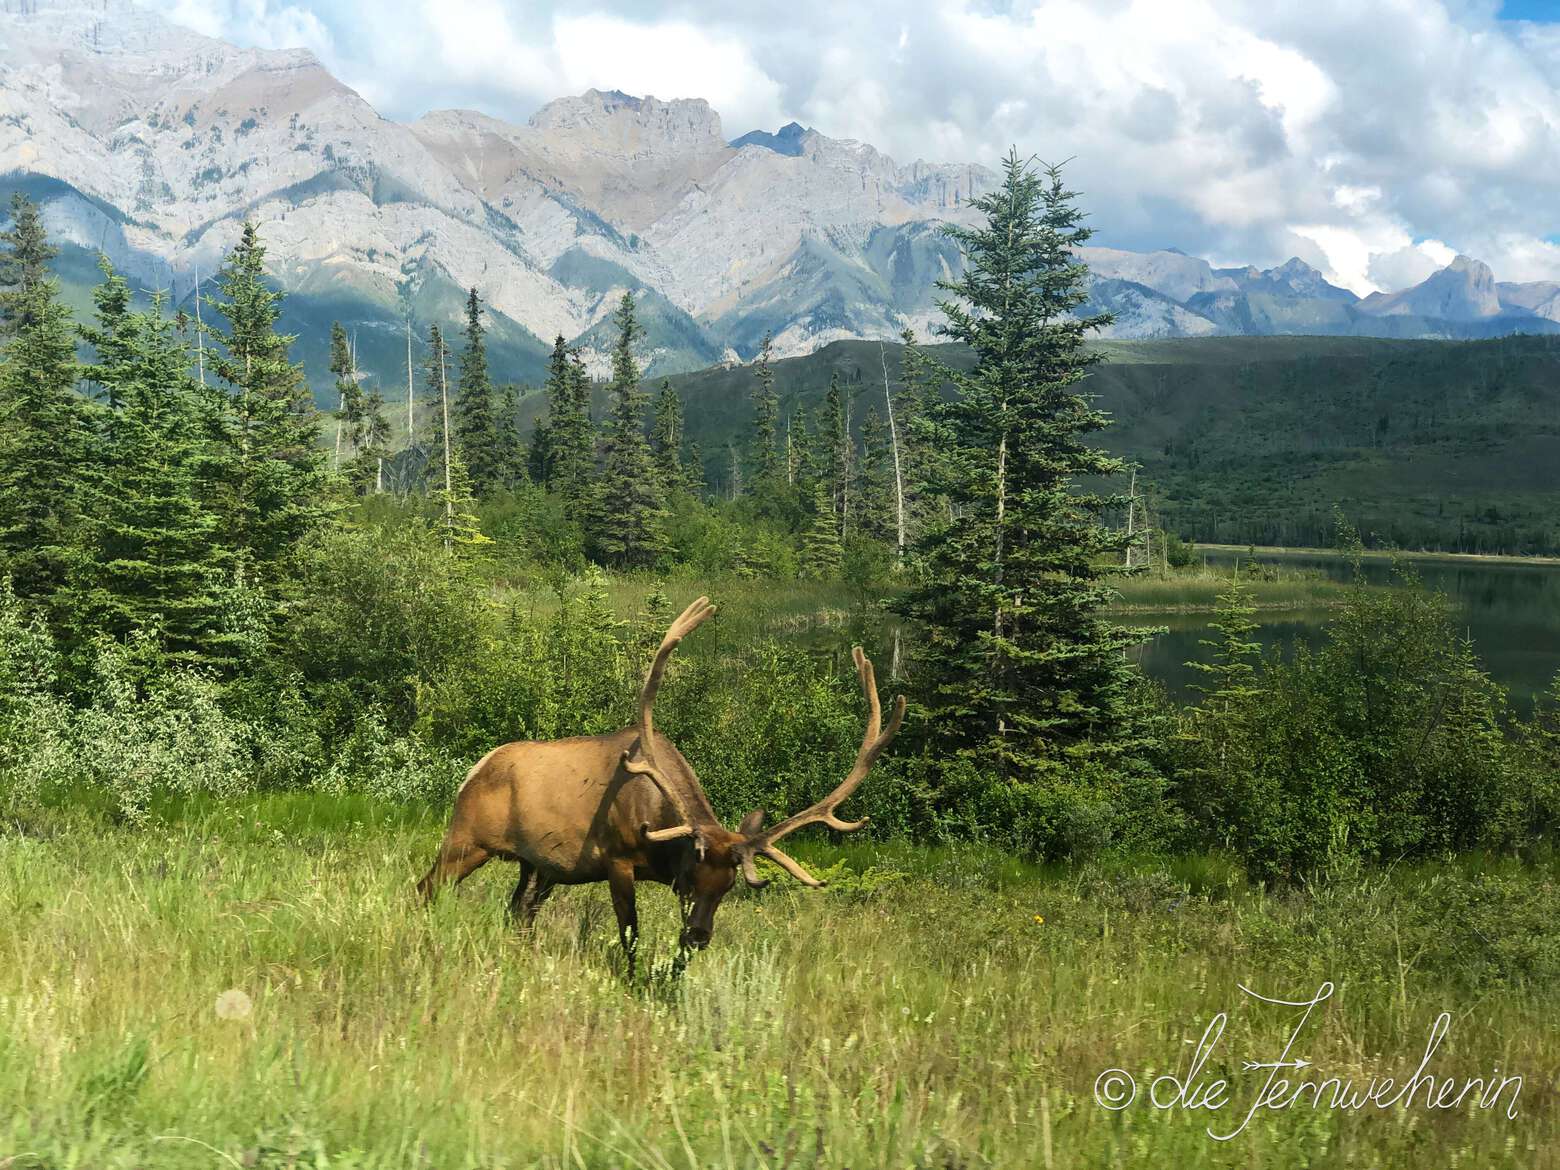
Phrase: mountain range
(151,143)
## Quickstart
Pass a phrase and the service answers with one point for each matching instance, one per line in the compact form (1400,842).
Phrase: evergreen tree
(666,436)
(766,416)
(571,444)
(475,430)
(694,470)
(44,423)
(874,480)
(822,554)
(271,473)
(1018,667)
(628,528)
(511,452)
(154,562)
(539,455)
(834,437)
(1232,674)
(25,256)
(349,394)
(457,506)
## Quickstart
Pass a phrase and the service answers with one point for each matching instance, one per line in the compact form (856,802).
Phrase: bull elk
(627,807)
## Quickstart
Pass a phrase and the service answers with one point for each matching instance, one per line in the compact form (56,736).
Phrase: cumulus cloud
(1372,140)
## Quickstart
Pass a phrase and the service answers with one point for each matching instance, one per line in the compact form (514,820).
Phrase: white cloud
(672,59)
(1240,129)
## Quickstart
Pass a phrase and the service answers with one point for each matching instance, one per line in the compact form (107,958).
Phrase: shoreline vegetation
(1383,554)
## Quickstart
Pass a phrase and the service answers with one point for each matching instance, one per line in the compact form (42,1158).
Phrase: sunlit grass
(945,1007)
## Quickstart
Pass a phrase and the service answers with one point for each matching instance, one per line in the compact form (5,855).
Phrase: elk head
(716,854)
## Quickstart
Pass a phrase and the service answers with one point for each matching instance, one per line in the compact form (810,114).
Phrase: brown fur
(581,810)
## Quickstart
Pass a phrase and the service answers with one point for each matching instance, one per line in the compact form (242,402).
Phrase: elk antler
(693,808)
(872,744)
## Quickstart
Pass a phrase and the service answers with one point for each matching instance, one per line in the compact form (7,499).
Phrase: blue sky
(1373,138)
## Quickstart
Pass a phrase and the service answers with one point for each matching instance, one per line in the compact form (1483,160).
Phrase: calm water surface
(1511,611)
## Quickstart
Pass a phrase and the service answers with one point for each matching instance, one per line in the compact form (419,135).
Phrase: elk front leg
(620,879)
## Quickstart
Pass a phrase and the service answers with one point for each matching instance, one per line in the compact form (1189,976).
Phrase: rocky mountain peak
(618,123)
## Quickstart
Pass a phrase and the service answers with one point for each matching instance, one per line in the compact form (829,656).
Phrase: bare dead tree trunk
(449,489)
(1131,513)
(409,429)
(899,482)
(200,334)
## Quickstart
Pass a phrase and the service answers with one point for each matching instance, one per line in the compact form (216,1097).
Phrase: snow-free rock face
(152,144)
(1462,291)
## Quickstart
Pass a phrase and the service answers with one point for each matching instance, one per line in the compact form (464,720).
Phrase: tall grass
(917,1013)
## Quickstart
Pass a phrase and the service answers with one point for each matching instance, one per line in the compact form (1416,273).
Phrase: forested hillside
(1423,444)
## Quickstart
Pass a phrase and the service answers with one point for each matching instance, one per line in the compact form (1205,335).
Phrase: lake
(1511,611)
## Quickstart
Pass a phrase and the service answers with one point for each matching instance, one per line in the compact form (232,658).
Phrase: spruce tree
(1232,674)
(1018,666)
(694,470)
(835,439)
(874,476)
(571,443)
(348,393)
(154,562)
(271,473)
(456,519)
(765,464)
(25,256)
(44,424)
(822,555)
(506,425)
(475,430)
(666,436)
(628,528)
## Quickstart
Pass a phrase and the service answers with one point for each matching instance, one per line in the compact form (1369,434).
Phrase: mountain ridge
(151,143)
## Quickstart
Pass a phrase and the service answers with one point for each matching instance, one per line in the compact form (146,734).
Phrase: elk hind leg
(530,892)
(458,859)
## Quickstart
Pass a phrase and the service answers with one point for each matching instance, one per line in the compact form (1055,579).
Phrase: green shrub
(1387,742)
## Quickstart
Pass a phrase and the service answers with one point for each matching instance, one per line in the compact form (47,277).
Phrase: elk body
(627,807)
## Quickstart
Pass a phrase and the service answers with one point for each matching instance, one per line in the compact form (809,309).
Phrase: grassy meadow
(943,1008)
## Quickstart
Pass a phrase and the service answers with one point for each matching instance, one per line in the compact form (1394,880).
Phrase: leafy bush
(1387,742)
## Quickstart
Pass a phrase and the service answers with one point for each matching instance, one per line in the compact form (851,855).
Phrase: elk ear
(751,823)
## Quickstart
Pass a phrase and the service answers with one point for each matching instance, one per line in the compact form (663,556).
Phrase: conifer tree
(835,439)
(271,473)
(511,452)
(694,471)
(25,256)
(1018,667)
(822,555)
(456,521)
(628,528)
(44,423)
(666,436)
(154,563)
(1232,674)
(571,444)
(765,462)
(874,476)
(476,433)
(348,393)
